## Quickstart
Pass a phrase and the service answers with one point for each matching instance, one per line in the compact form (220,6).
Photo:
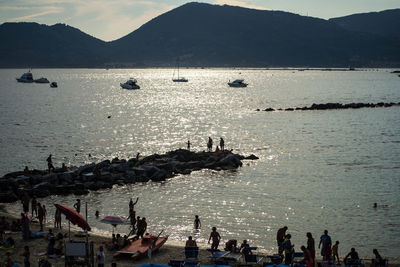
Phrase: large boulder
(231,160)
(85,168)
(159,176)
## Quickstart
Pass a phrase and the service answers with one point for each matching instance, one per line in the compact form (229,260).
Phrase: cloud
(239,3)
(44,11)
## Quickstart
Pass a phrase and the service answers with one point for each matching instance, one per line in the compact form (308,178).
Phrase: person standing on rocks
(222,144)
(77,205)
(188,145)
(209,144)
(50,163)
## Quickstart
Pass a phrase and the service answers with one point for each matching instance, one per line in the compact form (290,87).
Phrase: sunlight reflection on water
(317,169)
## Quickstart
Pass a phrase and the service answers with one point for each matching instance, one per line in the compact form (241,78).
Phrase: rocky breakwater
(95,176)
(328,106)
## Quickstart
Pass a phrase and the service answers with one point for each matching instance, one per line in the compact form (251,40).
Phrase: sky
(112,19)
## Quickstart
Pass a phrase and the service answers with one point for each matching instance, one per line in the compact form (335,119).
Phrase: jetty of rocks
(336,106)
(95,176)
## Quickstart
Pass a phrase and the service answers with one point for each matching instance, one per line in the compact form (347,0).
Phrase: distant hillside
(34,45)
(212,35)
(385,23)
(203,35)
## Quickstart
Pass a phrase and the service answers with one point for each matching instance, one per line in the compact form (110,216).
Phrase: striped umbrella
(114,220)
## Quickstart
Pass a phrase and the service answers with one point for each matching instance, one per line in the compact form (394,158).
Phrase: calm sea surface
(317,169)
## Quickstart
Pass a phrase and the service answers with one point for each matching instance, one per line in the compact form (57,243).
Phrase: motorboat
(237,83)
(53,85)
(26,78)
(130,84)
(41,80)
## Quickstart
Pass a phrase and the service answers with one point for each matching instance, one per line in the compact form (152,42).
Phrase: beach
(169,251)
(37,246)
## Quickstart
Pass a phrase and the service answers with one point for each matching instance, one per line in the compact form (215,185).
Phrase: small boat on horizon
(237,83)
(179,79)
(130,84)
(41,80)
(26,78)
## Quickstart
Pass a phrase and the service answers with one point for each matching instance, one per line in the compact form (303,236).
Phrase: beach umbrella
(73,216)
(114,220)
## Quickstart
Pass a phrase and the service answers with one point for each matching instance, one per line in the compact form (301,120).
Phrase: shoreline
(172,250)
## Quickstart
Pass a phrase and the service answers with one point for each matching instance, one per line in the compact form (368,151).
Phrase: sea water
(317,169)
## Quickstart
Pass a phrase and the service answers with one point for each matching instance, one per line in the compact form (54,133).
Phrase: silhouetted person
(280,237)
(190,242)
(307,260)
(311,246)
(353,256)
(326,242)
(288,247)
(209,144)
(188,145)
(214,235)
(378,261)
(335,252)
(50,163)
(197,223)
(132,204)
(40,216)
(77,205)
(34,206)
(222,144)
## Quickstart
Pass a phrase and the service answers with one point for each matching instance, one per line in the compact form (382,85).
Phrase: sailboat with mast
(179,79)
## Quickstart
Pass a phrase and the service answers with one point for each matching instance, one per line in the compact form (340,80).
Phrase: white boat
(26,78)
(41,80)
(53,85)
(179,79)
(237,83)
(130,84)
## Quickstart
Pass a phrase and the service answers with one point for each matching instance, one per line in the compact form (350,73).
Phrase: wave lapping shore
(95,176)
(336,106)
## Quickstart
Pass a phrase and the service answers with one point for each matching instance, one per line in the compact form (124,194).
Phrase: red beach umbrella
(73,216)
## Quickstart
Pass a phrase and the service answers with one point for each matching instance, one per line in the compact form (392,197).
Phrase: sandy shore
(167,252)
(39,245)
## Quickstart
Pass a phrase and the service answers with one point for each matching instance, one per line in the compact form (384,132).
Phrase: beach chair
(295,261)
(191,253)
(350,262)
(252,259)
(176,263)
(273,260)
(191,264)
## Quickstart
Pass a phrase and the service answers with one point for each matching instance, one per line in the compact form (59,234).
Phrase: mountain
(211,35)
(34,45)
(204,35)
(384,23)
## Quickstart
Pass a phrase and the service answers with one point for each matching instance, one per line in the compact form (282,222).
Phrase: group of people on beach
(329,252)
